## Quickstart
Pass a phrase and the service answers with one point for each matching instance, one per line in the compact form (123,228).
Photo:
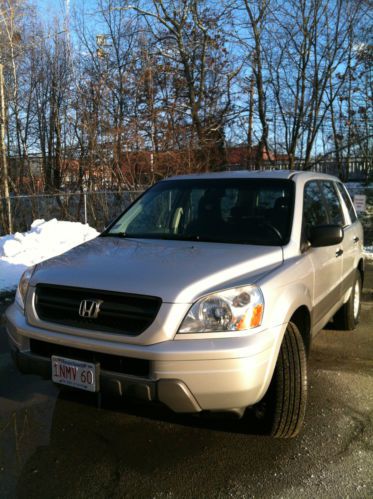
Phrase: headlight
(237,309)
(23,286)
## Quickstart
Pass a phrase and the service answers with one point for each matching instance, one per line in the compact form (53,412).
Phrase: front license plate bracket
(76,373)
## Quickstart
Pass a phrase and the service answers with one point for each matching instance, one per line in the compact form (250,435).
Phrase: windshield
(238,211)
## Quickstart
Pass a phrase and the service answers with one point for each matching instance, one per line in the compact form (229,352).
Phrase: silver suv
(203,295)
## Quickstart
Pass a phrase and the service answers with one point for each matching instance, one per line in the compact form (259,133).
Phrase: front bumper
(186,375)
(172,393)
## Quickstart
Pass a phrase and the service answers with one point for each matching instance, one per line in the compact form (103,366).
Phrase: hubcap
(356,299)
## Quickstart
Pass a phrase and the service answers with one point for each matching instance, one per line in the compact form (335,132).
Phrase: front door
(327,261)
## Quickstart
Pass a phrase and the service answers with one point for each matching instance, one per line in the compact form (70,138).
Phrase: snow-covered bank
(44,240)
(368,253)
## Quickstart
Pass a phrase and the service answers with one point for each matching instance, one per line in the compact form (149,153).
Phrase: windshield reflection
(236,211)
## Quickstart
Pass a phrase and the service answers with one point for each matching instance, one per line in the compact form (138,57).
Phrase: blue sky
(52,8)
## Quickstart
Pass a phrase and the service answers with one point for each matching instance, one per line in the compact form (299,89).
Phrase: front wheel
(282,409)
(348,316)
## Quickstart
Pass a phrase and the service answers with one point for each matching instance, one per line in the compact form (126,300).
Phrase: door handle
(355,239)
(339,252)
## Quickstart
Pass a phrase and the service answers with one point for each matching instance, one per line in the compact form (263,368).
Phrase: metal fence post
(85,207)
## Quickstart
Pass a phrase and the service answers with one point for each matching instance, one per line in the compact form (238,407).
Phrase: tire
(348,316)
(281,412)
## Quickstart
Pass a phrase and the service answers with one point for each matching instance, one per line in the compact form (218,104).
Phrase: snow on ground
(44,240)
(368,253)
(358,185)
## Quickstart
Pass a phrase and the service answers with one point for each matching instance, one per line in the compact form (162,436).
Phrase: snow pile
(368,253)
(43,241)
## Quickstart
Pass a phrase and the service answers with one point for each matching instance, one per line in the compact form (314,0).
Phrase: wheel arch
(299,315)
(361,269)
(302,319)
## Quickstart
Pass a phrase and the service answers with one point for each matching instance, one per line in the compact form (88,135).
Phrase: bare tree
(154,87)
(257,14)
(189,39)
(311,46)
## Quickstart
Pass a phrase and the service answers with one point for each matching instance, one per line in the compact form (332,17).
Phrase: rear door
(352,241)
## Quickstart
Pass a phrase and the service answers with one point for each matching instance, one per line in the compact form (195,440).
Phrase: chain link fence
(94,208)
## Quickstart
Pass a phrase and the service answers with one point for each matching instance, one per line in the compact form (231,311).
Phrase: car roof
(256,174)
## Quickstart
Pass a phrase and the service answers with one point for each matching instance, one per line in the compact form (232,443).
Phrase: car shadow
(158,412)
(91,445)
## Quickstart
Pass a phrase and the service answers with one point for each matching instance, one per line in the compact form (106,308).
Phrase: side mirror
(325,235)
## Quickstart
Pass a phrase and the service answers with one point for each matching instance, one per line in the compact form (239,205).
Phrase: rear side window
(314,211)
(333,203)
(347,200)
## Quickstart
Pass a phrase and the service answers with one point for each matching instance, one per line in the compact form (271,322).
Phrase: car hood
(176,271)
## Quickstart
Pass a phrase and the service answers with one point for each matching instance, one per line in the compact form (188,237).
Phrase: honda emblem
(90,308)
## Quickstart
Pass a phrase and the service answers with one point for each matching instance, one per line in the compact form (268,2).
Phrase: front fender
(284,304)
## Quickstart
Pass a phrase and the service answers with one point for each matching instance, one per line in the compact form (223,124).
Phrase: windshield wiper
(140,235)
(115,234)
(197,237)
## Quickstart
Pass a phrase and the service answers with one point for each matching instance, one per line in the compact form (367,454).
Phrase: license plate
(75,373)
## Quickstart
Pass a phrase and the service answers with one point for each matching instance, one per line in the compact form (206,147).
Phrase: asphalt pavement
(55,444)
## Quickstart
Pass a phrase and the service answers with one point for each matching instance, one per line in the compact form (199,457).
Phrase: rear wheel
(282,410)
(348,316)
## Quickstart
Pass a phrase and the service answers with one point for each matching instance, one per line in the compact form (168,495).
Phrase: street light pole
(3,152)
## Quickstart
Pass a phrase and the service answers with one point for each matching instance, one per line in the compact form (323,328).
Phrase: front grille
(124,365)
(119,312)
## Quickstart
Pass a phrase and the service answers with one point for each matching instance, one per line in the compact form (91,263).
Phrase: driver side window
(314,211)
(333,203)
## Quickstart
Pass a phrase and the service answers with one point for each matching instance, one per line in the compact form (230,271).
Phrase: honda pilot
(204,295)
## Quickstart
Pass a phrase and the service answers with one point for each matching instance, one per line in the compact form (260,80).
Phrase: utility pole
(3,151)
